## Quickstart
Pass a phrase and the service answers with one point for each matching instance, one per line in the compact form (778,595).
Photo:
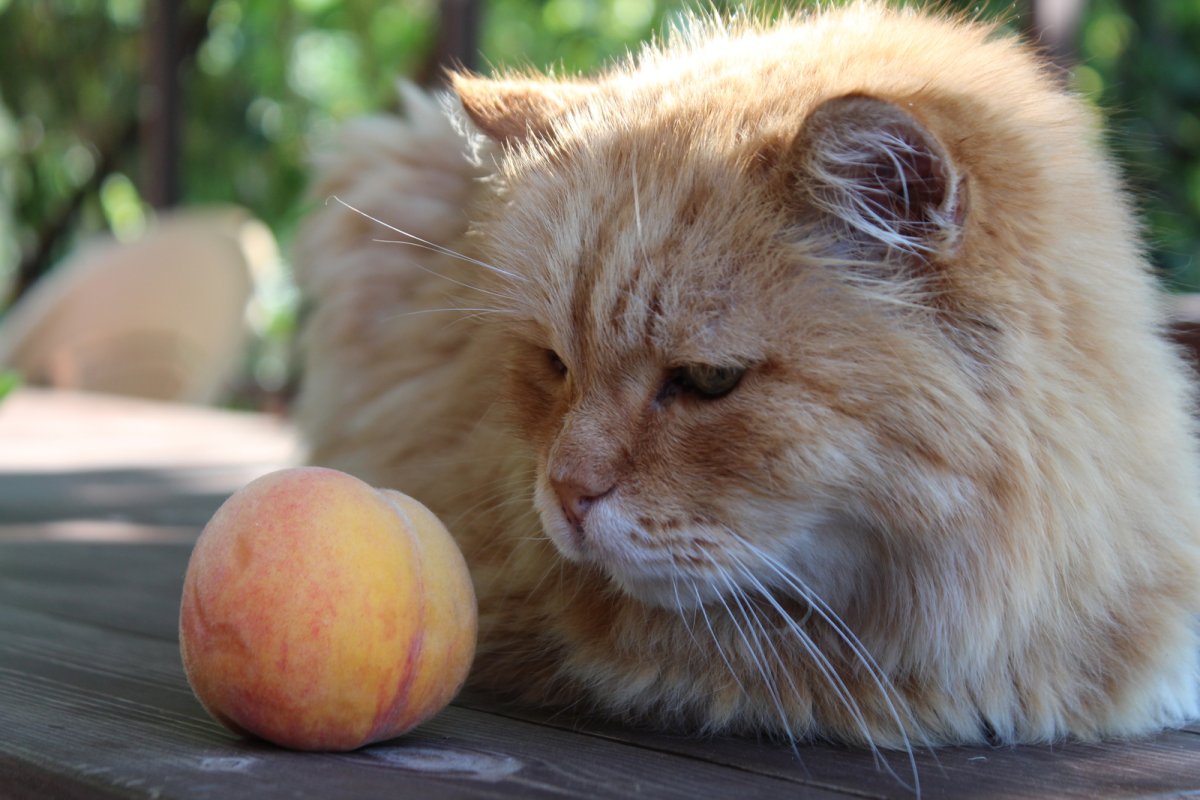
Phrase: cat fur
(953,498)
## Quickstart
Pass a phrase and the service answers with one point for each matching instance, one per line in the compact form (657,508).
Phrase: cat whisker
(410,262)
(828,672)
(685,613)
(832,618)
(760,617)
(500,497)
(745,641)
(421,311)
(897,708)
(467,318)
(437,248)
(820,660)
(758,632)
(717,642)
(536,538)
(679,608)
(488,503)
(674,581)
(447,460)
(497,498)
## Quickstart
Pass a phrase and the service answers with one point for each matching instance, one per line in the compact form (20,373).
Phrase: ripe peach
(320,613)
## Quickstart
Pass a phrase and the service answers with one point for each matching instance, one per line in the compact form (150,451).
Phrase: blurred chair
(162,317)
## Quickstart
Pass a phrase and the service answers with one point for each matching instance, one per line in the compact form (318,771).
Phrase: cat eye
(556,363)
(707,381)
(710,381)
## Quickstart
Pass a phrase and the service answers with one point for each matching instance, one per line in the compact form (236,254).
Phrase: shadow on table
(176,498)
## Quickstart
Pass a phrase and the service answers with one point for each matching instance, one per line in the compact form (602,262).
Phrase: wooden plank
(134,588)
(20,780)
(109,586)
(160,497)
(1166,764)
(111,711)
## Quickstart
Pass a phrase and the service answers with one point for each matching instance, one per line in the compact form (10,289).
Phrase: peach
(320,613)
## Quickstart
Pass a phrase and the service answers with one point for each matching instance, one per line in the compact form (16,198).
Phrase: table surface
(100,501)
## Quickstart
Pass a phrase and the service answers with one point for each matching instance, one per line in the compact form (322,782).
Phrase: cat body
(802,378)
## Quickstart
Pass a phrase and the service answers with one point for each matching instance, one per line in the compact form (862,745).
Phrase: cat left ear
(882,173)
(513,111)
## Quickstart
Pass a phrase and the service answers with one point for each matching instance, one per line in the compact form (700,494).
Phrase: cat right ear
(514,111)
(880,172)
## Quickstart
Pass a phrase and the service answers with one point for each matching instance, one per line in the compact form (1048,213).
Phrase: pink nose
(576,499)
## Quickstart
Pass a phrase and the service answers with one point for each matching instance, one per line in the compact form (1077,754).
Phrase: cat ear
(882,173)
(512,111)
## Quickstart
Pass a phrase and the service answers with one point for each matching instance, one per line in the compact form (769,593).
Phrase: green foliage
(269,79)
(9,381)
(568,36)
(272,77)
(57,108)
(1141,65)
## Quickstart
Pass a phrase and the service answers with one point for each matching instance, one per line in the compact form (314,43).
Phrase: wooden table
(100,500)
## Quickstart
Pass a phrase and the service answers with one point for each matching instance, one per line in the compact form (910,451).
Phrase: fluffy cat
(802,378)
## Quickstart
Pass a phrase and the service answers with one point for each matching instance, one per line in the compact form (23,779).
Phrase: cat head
(734,349)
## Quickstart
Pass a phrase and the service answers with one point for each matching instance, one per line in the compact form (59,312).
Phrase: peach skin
(320,613)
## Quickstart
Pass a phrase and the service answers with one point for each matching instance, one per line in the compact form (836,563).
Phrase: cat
(801,378)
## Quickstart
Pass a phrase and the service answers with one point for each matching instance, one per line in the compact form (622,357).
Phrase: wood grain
(134,588)
(111,710)
(1166,764)
(183,496)
(88,657)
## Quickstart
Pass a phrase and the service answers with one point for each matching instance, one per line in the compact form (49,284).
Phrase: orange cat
(802,378)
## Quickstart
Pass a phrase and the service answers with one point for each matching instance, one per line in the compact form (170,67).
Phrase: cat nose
(577,498)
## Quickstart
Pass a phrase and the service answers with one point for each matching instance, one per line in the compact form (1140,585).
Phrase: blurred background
(114,114)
